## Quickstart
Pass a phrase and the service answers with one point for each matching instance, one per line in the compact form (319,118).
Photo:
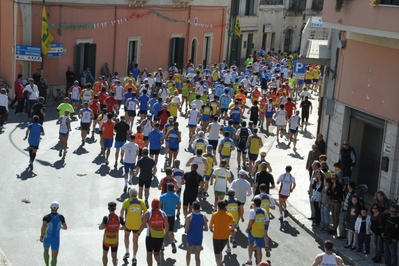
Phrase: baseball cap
(263,153)
(54,205)
(209,147)
(168,170)
(171,118)
(155,203)
(165,105)
(241,172)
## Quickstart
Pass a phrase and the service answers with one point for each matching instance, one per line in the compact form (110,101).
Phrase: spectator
(352,214)
(381,199)
(377,225)
(347,159)
(336,196)
(17,88)
(362,228)
(87,77)
(312,156)
(325,205)
(3,106)
(391,237)
(70,78)
(31,93)
(315,168)
(42,86)
(338,172)
(317,186)
(36,76)
(343,215)
(321,145)
(20,97)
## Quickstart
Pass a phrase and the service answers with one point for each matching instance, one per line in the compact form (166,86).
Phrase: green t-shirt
(65,107)
(204,98)
(191,97)
(184,91)
(235,87)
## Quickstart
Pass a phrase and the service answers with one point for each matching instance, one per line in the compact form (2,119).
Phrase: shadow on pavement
(308,135)
(273,244)
(242,239)
(168,261)
(26,174)
(286,227)
(184,242)
(296,155)
(154,182)
(206,206)
(60,163)
(230,260)
(122,197)
(80,150)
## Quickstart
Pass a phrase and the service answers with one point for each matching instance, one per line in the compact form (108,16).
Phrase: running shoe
(234,244)
(248,262)
(267,249)
(285,213)
(83,142)
(121,161)
(174,250)
(228,250)
(124,191)
(134,261)
(60,153)
(127,255)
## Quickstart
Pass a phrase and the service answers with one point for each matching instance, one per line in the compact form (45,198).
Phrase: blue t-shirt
(229,129)
(169,202)
(127,95)
(157,108)
(135,72)
(152,102)
(173,139)
(225,100)
(35,129)
(236,115)
(154,137)
(143,99)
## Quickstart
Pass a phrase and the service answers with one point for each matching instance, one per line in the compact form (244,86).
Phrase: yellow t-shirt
(135,208)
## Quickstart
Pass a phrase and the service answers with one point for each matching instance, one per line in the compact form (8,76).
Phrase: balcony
(359,17)
(271,2)
(297,5)
(249,23)
(317,5)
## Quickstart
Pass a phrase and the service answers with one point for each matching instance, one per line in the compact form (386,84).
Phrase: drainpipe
(188,39)
(14,62)
(114,52)
(222,31)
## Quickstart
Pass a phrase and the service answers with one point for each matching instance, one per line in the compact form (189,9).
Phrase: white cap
(241,172)
(54,205)
(263,153)
(176,100)
(193,105)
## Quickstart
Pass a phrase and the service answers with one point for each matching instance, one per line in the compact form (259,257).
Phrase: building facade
(151,33)
(360,99)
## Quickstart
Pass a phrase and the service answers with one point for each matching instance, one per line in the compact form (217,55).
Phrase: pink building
(151,33)
(360,95)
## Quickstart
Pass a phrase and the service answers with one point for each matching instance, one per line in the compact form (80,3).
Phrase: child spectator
(352,214)
(325,206)
(339,172)
(362,229)
(324,168)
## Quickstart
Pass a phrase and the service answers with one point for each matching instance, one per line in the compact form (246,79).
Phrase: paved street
(84,185)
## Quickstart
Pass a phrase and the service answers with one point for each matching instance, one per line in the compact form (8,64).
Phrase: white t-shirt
(201,167)
(286,72)
(34,91)
(304,94)
(164,93)
(294,121)
(130,149)
(242,189)
(86,115)
(286,182)
(214,131)
(220,179)
(193,119)
(227,78)
(198,103)
(118,92)
(252,214)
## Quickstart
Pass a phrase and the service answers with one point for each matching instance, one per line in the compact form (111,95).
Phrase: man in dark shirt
(36,76)
(70,78)
(42,86)
(192,180)
(307,108)
(347,159)
(391,237)
(122,130)
(37,109)
(145,170)
(263,177)
(312,156)
(321,145)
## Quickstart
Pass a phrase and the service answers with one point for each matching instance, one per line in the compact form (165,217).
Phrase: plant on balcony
(338,5)
(373,3)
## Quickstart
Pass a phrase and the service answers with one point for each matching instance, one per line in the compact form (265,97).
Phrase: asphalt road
(83,185)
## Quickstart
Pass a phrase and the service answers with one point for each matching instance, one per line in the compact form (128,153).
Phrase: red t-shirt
(289,108)
(102,96)
(94,107)
(110,101)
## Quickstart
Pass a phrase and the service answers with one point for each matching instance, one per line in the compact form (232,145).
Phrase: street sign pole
(42,63)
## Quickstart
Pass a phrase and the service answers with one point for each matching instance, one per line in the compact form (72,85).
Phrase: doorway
(288,39)
(133,52)
(207,51)
(194,45)
(176,52)
(249,44)
(85,56)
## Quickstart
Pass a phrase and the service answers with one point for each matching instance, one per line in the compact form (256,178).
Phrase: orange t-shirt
(97,87)
(108,129)
(139,140)
(127,86)
(242,96)
(221,221)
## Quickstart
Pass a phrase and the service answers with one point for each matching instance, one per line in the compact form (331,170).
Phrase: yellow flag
(47,38)
(237,27)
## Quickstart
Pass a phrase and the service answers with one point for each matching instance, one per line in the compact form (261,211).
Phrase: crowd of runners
(225,109)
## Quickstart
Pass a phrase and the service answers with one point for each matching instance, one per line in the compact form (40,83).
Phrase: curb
(3,259)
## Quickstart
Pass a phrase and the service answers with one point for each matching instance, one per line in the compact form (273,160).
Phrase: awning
(315,52)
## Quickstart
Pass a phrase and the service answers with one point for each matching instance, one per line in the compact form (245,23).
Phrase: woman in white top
(200,161)
(65,127)
(281,121)
(294,122)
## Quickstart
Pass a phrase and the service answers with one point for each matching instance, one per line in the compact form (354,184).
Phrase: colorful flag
(237,27)
(47,38)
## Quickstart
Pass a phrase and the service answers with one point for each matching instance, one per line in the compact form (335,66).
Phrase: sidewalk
(3,259)
(279,156)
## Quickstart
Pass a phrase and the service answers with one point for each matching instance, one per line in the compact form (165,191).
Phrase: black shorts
(158,84)
(171,222)
(305,117)
(131,113)
(153,244)
(34,147)
(113,249)
(214,143)
(140,152)
(134,231)
(95,116)
(85,126)
(189,198)
(145,183)
(155,152)
(236,123)
(145,138)
(174,149)
(293,131)
(143,112)
(103,106)
(218,245)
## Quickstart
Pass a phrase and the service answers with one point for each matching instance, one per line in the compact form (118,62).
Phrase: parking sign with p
(299,70)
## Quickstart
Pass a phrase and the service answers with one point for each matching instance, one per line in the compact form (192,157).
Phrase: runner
(258,221)
(85,115)
(254,113)
(174,138)
(235,113)
(196,223)
(156,222)
(221,176)
(200,143)
(167,127)
(242,136)
(143,101)
(174,105)
(208,173)
(65,128)
(221,223)
(147,125)
(206,112)
(287,186)
(307,109)
(199,159)
(281,121)
(100,119)
(328,257)
(131,107)
(184,94)
(214,130)
(241,187)
(163,116)
(95,107)
(33,133)
(236,209)
(192,180)
(263,177)
(156,138)
(108,135)
(253,145)
(122,131)
(129,152)
(145,170)
(225,148)
(267,203)
(139,140)
(111,224)
(50,233)
(270,110)
(170,201)
(225,100)
(294,122)
(74,94)
(163,183)
(178,175)
(193,117)
(257,167)
(37,109)
(133,208)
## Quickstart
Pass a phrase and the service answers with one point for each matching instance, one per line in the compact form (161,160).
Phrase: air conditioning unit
(137,2)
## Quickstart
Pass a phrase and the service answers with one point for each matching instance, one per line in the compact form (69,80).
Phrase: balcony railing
(271,2)
(297,5)
(317,5)
(390,2)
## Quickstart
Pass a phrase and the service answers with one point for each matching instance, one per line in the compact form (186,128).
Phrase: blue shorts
(315,80)
(266,227)
(119,144)
(194,240)
(300,81)
(74,101)
(64,134)
(207,177)
(108,143)
(224,157)
(53,242)
(257,240)
(308,81)
(252,157)
(128,167)
(269,114)
(206,117)
(178,84)
(191,126)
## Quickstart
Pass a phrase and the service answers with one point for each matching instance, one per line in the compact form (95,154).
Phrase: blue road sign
(299,70)
(28,50)
(53,55)
(56,44)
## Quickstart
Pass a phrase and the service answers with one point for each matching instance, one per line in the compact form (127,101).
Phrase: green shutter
(92,59)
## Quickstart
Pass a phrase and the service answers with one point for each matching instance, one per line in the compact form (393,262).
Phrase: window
(297,5)
(250,8)
(271,2)
(317,5)
(390,2)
